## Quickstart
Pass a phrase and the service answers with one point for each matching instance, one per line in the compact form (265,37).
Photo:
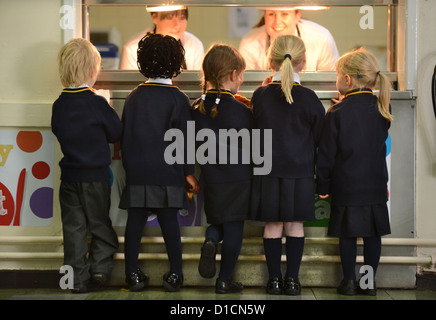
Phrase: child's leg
(372,252)
(104,243)
(136,220)
(231,247)
(272,244)
(74,233)
(348,253)
(214,232)
(171,233)
(294,248)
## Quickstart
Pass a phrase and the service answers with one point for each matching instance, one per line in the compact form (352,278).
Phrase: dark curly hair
(160,56)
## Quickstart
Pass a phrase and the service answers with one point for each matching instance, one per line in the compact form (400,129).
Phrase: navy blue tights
(137,218)
(348,253)
(231,233)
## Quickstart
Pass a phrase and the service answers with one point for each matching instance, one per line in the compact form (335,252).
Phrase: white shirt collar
(277,76)
(83,85)
(160,81)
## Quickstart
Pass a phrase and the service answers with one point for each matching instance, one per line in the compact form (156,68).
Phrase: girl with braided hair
(227,186)
(285,198)
(152,185)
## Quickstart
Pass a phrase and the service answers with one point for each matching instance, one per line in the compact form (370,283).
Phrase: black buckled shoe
(274,286)
(291,287)
(206,266)
(367,291)
(227,286)
(172,282)
(348,287)
(137,280)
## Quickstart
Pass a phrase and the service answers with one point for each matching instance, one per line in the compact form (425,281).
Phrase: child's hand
(192,184)
(267,80)
(335,101)
(323,196)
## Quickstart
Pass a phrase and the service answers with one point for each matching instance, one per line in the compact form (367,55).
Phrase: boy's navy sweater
(352,152)
(85,124)
(232,114)
(149,111)
(296,128)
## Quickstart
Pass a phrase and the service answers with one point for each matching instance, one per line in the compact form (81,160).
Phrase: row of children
(347,147)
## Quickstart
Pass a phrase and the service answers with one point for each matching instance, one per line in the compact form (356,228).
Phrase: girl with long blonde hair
(352,166)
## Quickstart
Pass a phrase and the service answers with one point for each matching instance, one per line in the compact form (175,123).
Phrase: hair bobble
(287,56)
(378,72)
(217,100)
(359,75)
(203,96)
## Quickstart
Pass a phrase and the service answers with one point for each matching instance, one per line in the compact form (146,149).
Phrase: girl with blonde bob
(352,167)
(284,198)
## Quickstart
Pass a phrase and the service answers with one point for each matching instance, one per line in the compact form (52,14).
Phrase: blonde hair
(287,52)
(78,61)
(363,66)
(219,61)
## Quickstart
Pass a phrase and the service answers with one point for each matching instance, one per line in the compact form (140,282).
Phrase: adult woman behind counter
(321,50)
(171,23)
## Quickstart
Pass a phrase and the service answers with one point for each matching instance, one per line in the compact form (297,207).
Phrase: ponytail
(286,52)
(287,77)
(384,96)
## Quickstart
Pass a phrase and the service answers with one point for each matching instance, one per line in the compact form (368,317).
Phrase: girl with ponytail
(285,198)
(352,167)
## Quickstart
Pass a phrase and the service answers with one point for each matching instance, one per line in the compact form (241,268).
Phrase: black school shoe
(172,282)
(274,286)
(291,287)
(368,291)
(348,287)
(137,280)
(206,266)
(227,286)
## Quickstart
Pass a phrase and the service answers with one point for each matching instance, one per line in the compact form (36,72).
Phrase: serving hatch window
(113,28)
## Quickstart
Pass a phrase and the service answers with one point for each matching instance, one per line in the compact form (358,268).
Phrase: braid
(214,110)
(201,106)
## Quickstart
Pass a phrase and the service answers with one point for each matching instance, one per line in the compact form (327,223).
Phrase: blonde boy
(85,124)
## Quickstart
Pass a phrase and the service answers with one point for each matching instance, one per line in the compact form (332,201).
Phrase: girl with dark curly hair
(152,185)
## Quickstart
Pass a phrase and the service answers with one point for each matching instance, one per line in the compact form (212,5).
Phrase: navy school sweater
(352,153)
(232,114)
(84,123)
(296,128)
(149,111)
